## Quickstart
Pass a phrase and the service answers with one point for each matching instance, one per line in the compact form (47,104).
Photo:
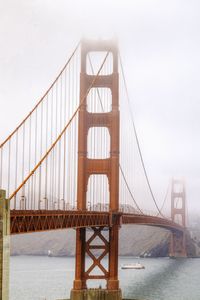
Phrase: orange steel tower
(107,166)
(178,214)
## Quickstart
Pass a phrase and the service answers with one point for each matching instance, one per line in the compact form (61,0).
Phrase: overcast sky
(160,47)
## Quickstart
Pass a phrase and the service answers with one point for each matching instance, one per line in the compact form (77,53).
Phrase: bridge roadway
(27,221)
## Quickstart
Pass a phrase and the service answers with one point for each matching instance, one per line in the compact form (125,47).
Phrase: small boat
(136,266)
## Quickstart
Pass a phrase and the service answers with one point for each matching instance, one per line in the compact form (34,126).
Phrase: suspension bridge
(75,162)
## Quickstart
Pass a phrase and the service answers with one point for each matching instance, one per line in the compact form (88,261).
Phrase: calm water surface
(51,278)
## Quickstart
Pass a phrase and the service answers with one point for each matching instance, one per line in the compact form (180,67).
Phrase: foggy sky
(160,47)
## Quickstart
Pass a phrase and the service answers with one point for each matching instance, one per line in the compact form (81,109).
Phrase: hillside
(134,240)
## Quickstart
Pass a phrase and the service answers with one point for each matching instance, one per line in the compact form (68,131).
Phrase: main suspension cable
(41,99)
(137,140)
(62,132)
(165,198)
(120,167)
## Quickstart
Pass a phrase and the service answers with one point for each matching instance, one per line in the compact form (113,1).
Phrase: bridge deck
(26,221)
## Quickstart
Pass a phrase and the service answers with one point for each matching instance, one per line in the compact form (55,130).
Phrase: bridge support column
(113,282)
(98,165)
(4,246)
(80,281)
(178,214)
(96,294)
(178,245)
(98,245)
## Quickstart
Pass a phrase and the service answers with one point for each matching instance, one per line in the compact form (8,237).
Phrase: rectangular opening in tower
(178,202)
(98,144)
(94,61)
(99,100)
(98,193)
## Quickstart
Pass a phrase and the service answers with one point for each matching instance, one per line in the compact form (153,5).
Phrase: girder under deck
(27,221)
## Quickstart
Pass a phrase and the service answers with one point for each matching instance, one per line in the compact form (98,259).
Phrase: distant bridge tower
(178,215)
(105,166)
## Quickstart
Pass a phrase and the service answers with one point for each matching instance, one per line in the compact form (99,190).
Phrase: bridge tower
(88,167)
(178,215)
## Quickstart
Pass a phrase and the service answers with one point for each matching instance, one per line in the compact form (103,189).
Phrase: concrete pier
(4,246)
(96,294)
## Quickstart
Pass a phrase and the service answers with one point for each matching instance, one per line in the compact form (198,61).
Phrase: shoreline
(123,256)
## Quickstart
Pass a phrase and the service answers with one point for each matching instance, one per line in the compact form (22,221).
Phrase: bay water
(51,278)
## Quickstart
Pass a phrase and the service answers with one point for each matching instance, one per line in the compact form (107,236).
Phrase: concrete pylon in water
(4,245)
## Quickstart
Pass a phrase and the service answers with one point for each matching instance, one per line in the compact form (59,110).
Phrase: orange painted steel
(151,221)
(43,220)
(90,248)
(178,209)
(28,221)
(108,167)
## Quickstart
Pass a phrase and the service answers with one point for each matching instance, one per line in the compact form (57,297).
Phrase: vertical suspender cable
(30,201)
(40,168)
(1,166)
(74,114)
(69,141)
(51,170)
(55,149)
(69,199)
(35,175)
(123,175)
(59,147)
(9,152)
(16,167)
(64,146)
(47,160)
(76,129)
(23,143)
(23,162)
(42,98)
(72,137)
(137,140)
